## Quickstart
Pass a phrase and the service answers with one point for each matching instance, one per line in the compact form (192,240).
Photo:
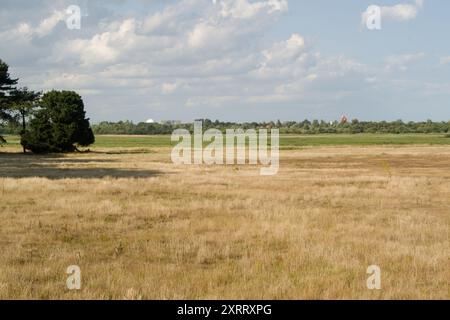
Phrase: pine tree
(23,102)
(6,85)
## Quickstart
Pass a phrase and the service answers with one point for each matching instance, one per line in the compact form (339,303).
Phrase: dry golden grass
(141,227)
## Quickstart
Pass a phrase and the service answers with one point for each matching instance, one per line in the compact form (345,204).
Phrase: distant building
(170,122)
(344,119)
(150,121)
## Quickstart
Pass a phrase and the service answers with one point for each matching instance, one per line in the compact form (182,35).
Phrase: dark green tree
(60,125)
(40,139)
(22,103)
(6,85)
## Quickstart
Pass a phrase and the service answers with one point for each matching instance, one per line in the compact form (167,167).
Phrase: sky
(235,60)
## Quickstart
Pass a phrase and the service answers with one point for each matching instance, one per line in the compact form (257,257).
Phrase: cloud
(48,24)
(402,62)
(401,12)
(285,52)
(41,29)
(242,9)
(168,88)
(191,29)
(192,55)
(102,48)
(445,60)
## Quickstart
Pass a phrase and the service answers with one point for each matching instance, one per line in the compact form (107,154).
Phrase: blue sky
(236,60)
(337,31)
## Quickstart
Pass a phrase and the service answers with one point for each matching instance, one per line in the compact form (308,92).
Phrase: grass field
(141,227)
(286,141)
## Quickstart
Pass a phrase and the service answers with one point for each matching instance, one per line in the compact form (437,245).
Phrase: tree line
(54,121)
(289,127)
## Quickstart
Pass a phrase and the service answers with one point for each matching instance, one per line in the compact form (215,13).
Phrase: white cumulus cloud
(399,12)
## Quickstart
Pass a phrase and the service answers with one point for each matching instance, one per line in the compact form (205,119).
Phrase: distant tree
(303,127)
(6,85)
(59,125)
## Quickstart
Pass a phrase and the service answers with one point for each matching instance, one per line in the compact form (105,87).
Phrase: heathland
(141,227)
